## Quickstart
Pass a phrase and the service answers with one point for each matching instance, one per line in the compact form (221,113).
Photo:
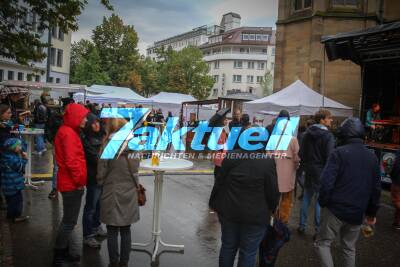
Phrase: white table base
(156,228)
(28,168)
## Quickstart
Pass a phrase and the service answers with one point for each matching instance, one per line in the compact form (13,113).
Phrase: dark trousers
(243,237)
(14,205)
(396,202)
(112,243)
(71,207)
(91,211)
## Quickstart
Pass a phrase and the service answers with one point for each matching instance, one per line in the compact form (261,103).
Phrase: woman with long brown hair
(119,200)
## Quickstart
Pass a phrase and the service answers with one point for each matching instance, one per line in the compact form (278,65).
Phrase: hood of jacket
(73,116)
(316,131)
(351,128)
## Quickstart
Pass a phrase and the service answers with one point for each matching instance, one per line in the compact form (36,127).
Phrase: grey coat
(119,199)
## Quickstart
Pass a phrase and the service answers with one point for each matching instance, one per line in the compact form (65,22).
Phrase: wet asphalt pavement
(185,219)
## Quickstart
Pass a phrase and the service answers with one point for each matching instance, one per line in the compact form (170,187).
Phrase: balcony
(236,56)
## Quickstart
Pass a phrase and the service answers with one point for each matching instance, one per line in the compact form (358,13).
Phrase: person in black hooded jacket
(317,144)
(350,189)
(395,190)
(92,139)
(244,196)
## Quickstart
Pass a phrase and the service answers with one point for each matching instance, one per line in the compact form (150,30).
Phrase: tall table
(164,166)
(28,135)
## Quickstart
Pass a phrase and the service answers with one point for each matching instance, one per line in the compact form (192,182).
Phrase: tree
(117,46)
(184,72)
(266,83)
(134,81)
(85,65)
(22,23)
(148,73)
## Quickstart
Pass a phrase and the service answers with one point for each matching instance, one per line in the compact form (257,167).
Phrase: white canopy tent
(299,100)
(112,95)
(170,102)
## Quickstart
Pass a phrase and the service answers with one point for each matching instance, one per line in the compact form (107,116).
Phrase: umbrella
(217,118)
(8,90)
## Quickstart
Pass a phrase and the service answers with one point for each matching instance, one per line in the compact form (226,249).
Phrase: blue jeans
(14,205)
(243,237)
(310,195)
(39,139)
(91,211)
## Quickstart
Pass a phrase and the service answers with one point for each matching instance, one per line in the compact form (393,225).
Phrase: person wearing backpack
(40,119)
(55,120)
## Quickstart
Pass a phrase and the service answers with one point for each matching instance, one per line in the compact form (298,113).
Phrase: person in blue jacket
(350,190)
(12,164)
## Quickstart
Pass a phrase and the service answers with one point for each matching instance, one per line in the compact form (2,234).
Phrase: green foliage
(184,72)
(20,35)
(266,83)
(86,65)
(117,46)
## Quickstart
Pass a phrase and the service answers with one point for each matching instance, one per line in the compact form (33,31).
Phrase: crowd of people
(341,177)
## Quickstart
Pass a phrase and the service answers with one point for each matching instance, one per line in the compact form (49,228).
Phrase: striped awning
(7,90)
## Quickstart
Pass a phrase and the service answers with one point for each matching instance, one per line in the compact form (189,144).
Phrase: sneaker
(21,219)
(91,242)
(53,194)
(301,230)
(101,232)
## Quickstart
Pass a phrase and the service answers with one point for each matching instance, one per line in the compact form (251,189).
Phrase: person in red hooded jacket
(71,180)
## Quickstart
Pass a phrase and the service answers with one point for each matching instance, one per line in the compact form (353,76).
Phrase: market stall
(377,51)
(299,100)
(170,102)
(110,95)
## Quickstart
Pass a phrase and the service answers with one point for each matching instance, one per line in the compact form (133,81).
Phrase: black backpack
(55,120)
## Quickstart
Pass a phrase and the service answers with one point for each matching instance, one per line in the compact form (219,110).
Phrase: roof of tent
(299,99)
(171,98)
(105,93)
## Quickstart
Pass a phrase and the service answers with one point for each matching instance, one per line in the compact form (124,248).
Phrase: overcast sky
(159,19)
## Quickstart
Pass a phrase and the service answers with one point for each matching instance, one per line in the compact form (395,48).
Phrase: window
(29,77)
(302,4)
(260,65)
(59,58)
(52,56)
(32,21)
(238,64)
(37,78)
(245,37)
(20,76)
(216,64)
(1,75)
(60,34)
(264,51)
(349,3)
(244,50)
(258,37)
(252,37)
(58,80)
(259,79)
(250,78)
(265,37)
(237,78)
(250,65)
(51,79)
(215,92)
(272,66)
(273,51)
(216,77)
(54,32)
(10,75)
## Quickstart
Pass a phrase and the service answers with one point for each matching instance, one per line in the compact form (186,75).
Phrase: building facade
(300,53)
(59,60)
(238,57)
(238,60)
